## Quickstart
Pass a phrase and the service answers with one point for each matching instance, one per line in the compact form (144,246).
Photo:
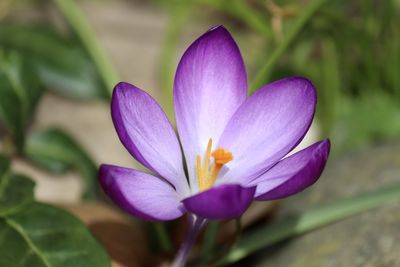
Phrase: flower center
(208,175)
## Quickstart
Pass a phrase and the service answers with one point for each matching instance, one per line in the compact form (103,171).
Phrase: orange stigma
(222,156)
(206,175)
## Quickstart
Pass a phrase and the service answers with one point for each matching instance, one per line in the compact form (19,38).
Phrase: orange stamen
(206,175)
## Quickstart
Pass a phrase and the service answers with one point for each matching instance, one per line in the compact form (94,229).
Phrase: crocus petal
(221,202)
(210,84)
(145,131)
(141,194)
(293,174)
(268,125)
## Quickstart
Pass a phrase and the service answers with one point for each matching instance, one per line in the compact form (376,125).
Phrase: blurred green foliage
(352,53)
(350,50)
(35,59)
(61,62)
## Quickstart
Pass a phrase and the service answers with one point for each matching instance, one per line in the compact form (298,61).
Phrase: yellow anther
(199,172)
(206,175)
(207,160)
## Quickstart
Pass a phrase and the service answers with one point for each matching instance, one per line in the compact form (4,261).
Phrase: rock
(366,240)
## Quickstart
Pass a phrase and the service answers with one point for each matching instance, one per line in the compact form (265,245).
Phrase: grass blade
(84,31)
(298,25)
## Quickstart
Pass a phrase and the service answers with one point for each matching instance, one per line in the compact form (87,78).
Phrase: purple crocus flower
(234,145)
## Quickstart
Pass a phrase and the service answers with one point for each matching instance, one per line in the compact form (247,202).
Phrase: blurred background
(60,59)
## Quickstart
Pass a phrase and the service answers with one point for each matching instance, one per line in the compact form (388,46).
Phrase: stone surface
(370,239)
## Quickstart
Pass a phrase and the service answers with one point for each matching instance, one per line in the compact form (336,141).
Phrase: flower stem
(195,225)
(162,236)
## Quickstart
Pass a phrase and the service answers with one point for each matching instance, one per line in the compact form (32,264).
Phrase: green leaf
(55,150)
(10,113)
(20,91)
(16,191)
(22,75)
(62,63)
(45,236)
(309,220)
(4,164)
